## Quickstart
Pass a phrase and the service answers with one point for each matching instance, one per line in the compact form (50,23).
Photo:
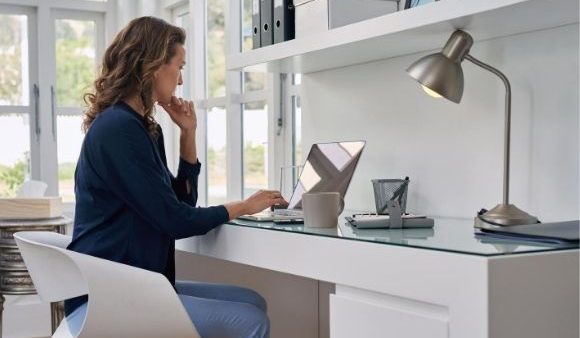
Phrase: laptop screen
(328,168)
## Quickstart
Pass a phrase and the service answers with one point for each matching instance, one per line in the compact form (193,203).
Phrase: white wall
(454,153)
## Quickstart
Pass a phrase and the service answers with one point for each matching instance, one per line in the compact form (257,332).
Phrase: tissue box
(30,208)
(315,16)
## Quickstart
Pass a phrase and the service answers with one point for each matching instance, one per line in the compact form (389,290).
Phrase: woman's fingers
(191,108)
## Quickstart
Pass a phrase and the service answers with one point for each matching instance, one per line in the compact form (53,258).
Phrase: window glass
(254,81)
(296,79)
(216,48)
(297,130)
(255,131)
(75,60)
(70,139)
(15,158)
(183,21)
(216,156)
(14,87)
(247,25)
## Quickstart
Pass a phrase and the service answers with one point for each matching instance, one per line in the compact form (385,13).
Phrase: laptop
(328,168)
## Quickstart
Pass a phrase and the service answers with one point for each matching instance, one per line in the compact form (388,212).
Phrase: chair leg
(56,315)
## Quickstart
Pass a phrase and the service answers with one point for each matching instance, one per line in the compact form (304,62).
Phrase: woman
(129,207)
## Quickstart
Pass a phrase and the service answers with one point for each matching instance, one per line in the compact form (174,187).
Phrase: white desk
(416,283)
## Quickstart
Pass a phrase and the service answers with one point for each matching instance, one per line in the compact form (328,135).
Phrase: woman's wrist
(236,209)
(187,132)
(188,147)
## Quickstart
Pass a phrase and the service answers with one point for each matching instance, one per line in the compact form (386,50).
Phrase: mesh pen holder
(389,190)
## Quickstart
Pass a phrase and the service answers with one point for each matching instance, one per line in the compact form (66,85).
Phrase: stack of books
(30,208)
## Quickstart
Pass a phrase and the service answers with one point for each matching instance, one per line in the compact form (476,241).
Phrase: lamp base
(504,215)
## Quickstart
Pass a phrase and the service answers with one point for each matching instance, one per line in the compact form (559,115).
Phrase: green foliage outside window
(254,159)
(10,60)
(11,178)
(75,61)
(216,48)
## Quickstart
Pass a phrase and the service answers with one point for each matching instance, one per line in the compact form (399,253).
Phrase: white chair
(124,301)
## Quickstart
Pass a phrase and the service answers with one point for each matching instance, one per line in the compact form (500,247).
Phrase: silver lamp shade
(439,74)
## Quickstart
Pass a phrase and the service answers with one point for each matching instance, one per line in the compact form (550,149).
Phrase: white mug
(321,209)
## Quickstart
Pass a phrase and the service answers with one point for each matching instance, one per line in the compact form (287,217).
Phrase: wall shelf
(419,29)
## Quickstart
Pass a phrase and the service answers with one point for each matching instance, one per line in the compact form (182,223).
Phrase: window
(14,102)
(296,132)
(42,120)
(14,159)
(247,25)
(216,156)
(182,19)
(75,58)
(235,108)
(255,153)
(216,48)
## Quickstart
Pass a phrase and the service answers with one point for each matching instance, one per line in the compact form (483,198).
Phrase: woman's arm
(182,113)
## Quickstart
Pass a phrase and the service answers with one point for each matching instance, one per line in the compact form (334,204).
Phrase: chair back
(124,301)
(55,276)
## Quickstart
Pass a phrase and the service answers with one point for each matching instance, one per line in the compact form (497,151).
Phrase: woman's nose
(180,80)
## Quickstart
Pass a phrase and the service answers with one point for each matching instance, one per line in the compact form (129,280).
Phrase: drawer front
(358,318)
(16,283)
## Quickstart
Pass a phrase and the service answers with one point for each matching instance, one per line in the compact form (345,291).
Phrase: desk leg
(56,315)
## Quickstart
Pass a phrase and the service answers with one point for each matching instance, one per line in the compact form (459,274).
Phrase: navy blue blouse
(129,207)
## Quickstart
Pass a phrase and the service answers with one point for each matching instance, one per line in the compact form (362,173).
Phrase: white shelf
(419,29)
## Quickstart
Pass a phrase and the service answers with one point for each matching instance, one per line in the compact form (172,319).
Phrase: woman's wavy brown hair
(129,64)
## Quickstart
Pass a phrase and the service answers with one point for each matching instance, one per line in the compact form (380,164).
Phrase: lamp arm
(507,128)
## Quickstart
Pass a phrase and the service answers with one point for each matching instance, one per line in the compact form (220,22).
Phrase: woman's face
(168,76)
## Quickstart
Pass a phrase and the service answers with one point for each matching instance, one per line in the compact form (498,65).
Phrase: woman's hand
(182,113)
(257,202)
(263,199)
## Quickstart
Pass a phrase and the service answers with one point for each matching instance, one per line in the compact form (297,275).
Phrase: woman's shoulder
(117,120)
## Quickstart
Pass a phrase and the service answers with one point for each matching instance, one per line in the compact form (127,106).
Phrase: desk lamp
(441,75)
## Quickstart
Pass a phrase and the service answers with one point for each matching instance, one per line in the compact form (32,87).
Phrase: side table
(14,278)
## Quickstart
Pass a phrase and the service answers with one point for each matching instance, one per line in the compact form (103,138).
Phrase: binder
(266,16)
(256,43)
(556,232)
(283,21)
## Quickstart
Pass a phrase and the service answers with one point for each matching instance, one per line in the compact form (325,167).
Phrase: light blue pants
(224,311)
(216,310)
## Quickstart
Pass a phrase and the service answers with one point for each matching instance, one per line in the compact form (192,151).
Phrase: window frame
(43,141)
(277,95)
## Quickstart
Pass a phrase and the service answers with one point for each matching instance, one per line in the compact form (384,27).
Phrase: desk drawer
(358,318)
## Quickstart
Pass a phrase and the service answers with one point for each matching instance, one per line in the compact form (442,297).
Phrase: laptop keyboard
(288,212)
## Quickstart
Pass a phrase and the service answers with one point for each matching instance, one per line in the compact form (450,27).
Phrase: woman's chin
(164,101)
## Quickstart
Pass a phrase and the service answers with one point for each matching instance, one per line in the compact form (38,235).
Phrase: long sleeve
(186,173)
(124,154)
